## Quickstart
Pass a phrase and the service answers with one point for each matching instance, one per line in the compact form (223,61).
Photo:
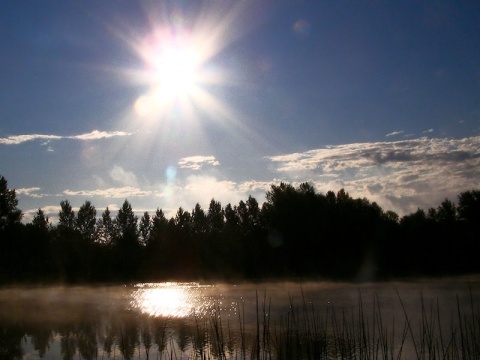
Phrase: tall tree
(199,220)
(253,211)
(215,216)
(86,221)
(127,247)
(66,216)
(469,206)
(159,225)
(231,216)
(9,213)
(145,227)
(159,220)
(106,228)
(447,212)
(126,221)
(40,221)
(37,261)
(183,219)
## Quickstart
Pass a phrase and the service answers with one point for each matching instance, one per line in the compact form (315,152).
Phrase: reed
(303,332)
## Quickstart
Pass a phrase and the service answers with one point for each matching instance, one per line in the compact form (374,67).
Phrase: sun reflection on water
(171,299)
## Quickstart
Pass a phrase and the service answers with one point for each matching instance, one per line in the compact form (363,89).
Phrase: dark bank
(296,234)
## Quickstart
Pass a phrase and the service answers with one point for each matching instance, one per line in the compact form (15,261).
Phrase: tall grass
(303,332)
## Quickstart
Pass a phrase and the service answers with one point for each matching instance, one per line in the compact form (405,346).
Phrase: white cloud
(256,186)
(395,133)
(401,175)
(18,139)
(202,189)
(30,192)
(123,177)
(197,162)
(94,135)
(117,193)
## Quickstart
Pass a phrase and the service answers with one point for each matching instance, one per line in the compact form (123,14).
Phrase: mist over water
(158,320)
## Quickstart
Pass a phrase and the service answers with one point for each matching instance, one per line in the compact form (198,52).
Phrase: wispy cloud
(116,193)
(94,135)
(123,177)
(401,175)
(395,133)
(19,139)
(253,186)
(30,192)
(197,162)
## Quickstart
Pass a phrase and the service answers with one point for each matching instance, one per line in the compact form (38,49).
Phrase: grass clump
(303,332)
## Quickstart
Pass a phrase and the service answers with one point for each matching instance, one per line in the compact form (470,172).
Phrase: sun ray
(178,72)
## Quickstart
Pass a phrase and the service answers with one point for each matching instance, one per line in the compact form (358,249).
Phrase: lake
(275,320)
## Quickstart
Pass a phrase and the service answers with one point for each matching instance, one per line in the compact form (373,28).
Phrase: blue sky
(170,103)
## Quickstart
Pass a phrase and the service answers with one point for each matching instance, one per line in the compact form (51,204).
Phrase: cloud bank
(398,175)
(401,175)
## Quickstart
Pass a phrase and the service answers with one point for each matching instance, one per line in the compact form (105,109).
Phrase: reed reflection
(171,299)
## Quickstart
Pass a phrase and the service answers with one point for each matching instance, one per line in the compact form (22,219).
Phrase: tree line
(296,233)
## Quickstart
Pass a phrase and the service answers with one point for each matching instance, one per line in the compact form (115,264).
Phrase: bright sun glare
(173,71)
(176,69)
(175,64)
(177,56)
(170,299)
(181,70)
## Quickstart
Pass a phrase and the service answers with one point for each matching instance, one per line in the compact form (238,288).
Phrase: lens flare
(183,73)
(178,63)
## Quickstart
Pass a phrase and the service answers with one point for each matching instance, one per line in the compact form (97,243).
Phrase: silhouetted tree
(145,227)
(215,216)
(468,211)
(469,206)
(126,245)
(40,221)
(199,220)
(36,244)
(66,216)
(67,244)
(9,213)
(85,225)
(106,230)
(126,222)
(447,212)
(296,232)
(183,219)
(157,250)
(86,221)
(231,217)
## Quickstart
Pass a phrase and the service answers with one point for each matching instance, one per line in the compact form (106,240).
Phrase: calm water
(191,320)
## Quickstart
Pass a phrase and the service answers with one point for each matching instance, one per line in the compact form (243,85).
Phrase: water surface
(193,320)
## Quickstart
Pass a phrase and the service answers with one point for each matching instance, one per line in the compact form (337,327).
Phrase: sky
(173,103)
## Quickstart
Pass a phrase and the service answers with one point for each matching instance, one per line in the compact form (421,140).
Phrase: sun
(175,66)
(174,70)
(181,72)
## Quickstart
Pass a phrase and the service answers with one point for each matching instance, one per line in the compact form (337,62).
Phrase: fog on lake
(277,320)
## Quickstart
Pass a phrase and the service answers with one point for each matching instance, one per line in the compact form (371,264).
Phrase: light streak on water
(172,299)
